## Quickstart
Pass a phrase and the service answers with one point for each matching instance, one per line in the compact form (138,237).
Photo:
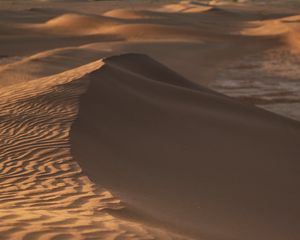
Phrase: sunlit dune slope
(44,194)
(75,24)
(45,64)
(198,161)
(128,14)
(287,28)
(82,25)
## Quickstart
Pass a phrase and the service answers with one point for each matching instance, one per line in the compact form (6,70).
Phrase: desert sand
(149,120)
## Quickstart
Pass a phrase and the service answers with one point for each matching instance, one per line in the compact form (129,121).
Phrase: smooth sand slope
(189,157)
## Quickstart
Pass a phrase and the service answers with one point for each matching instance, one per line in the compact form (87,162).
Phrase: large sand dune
(186,155)
(44,194)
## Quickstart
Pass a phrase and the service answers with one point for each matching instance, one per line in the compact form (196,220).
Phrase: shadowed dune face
(187,156)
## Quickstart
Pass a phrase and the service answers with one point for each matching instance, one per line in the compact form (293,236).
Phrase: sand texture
(149,120)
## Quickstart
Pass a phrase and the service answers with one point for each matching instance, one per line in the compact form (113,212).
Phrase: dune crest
(44,193)
(196,160)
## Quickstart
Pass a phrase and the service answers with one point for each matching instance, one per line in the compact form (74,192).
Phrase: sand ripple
(43,192)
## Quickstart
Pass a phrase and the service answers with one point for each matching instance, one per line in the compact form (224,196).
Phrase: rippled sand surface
(44,194)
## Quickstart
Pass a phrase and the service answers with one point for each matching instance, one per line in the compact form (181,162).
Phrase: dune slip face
(199,162)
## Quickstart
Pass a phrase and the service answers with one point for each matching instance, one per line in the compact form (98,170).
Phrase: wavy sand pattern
(43,190)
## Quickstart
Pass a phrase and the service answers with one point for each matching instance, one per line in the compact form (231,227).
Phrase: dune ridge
(44,194)
(82,25)
(198,161)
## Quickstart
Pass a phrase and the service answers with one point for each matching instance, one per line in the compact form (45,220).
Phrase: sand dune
(287,28)
(185,7)
(127,14)
(45,64)
(154,151)
(75,24)
(139,121)
(72,25)
(43,190)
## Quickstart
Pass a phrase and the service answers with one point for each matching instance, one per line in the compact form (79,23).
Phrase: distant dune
(287,28)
